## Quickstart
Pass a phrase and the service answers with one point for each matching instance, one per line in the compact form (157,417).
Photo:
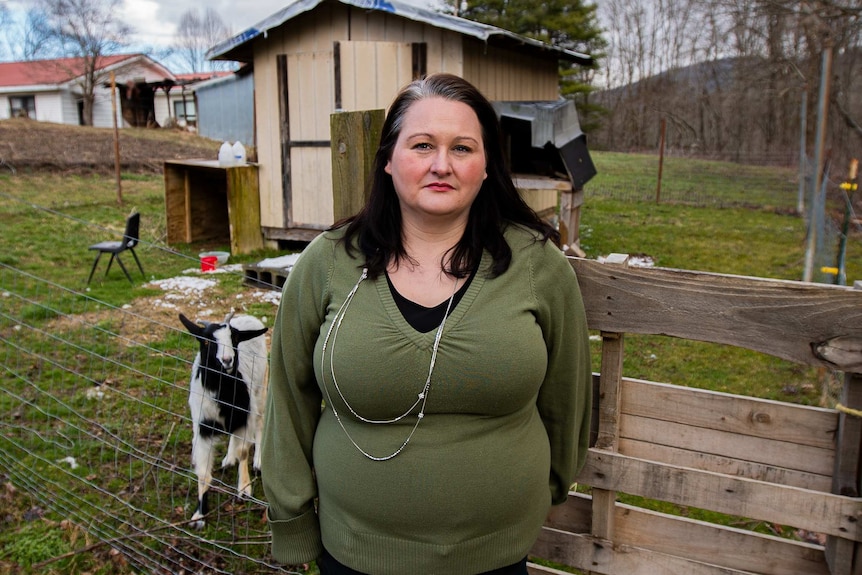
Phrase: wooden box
(208,202)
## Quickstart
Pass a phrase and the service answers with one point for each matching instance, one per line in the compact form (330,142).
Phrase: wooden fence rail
(757,459)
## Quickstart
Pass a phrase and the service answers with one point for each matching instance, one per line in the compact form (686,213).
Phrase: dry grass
(38,146)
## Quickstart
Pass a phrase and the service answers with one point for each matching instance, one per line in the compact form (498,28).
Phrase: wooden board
(810,510)
(786,319)
(694,540)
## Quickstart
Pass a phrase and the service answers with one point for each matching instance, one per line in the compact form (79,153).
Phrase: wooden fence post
(843,555)
(610,380)
(355,137)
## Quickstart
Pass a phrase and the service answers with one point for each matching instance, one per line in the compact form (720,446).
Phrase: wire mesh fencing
(95,428)
(764,182)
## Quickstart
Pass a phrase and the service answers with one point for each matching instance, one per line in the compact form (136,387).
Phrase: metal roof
(49,75)
(237,48)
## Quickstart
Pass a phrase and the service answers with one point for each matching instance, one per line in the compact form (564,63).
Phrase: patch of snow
(641,262)
(185,284)
(286,261)
(181,288)
(70,460)
(633,261)
(269,296)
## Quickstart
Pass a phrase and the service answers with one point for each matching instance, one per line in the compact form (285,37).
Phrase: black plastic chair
(115,248)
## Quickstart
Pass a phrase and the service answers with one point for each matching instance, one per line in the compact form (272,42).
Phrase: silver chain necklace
(422,396)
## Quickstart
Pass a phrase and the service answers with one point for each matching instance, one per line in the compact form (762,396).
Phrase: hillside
(42,146)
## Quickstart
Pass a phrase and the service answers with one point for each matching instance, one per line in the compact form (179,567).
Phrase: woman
(445,336)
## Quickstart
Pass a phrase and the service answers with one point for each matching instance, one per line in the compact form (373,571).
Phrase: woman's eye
(463,149)
(422,146)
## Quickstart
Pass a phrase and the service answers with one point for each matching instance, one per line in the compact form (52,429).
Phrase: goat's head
(219,341)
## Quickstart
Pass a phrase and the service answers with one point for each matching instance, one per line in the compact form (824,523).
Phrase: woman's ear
(388,167)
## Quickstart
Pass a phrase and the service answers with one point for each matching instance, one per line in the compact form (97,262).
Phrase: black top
(424,319)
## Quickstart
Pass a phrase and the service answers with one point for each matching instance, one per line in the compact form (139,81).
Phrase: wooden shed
(316,57)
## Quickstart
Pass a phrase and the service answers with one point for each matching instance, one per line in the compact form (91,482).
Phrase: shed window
(185,110)
(22,106)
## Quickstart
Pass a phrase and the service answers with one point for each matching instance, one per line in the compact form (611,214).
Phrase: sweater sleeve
(293,410)
(565,398)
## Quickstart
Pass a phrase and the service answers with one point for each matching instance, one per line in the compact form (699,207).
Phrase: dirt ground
(27,144)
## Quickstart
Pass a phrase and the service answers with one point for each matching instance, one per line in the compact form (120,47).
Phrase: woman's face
(438,162)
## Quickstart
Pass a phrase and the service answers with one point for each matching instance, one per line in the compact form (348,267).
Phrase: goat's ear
(193,328)
(247,335)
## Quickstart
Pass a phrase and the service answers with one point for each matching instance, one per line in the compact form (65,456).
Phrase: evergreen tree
(570,24)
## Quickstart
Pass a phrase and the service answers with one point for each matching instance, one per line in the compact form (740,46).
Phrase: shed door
(369,74)
(365,76)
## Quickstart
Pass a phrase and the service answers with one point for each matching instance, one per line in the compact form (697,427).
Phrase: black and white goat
(227,396)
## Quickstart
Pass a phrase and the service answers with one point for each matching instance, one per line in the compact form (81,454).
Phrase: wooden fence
(771,461)
(762,460)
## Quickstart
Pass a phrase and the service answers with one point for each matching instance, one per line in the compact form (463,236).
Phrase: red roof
(57,71)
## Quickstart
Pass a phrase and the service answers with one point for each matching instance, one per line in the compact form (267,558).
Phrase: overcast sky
(155,20)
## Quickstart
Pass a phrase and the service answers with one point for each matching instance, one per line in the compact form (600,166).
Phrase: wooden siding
(56,107)
(373,72)
(508,75)
(374,60)
(267,122)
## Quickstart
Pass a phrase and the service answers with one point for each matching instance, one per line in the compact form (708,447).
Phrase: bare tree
(87,30)
(196,33)
(28,38)
(728,75)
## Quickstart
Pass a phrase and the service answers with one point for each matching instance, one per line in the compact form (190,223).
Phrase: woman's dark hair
(376,229)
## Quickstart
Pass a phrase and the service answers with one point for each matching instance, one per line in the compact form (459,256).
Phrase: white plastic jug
(225,155)
(239,153)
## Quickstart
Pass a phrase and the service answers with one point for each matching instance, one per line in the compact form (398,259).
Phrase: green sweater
(504,434)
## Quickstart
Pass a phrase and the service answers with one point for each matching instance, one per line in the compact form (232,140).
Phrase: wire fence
(95,428)
(762,181)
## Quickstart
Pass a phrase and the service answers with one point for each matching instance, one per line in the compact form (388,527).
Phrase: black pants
(329,565)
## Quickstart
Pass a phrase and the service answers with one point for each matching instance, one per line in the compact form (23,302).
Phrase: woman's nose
(441,164)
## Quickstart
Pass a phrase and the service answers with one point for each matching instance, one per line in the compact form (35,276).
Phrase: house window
(185,110)
(22,107)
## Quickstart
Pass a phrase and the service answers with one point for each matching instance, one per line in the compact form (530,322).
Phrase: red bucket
(208,263)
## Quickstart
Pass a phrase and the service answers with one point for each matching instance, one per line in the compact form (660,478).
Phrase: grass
(694,181)
(47,221)
(758,240)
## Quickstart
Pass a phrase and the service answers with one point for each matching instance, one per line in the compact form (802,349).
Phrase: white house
(51,90)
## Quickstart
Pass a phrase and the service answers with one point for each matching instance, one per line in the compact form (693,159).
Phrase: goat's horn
(229,317)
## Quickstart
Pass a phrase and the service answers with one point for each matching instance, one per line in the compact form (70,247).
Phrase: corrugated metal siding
(225,110)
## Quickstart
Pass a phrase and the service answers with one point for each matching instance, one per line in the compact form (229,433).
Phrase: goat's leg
(230,457)
(202,451)
(238,451)
(258,435)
